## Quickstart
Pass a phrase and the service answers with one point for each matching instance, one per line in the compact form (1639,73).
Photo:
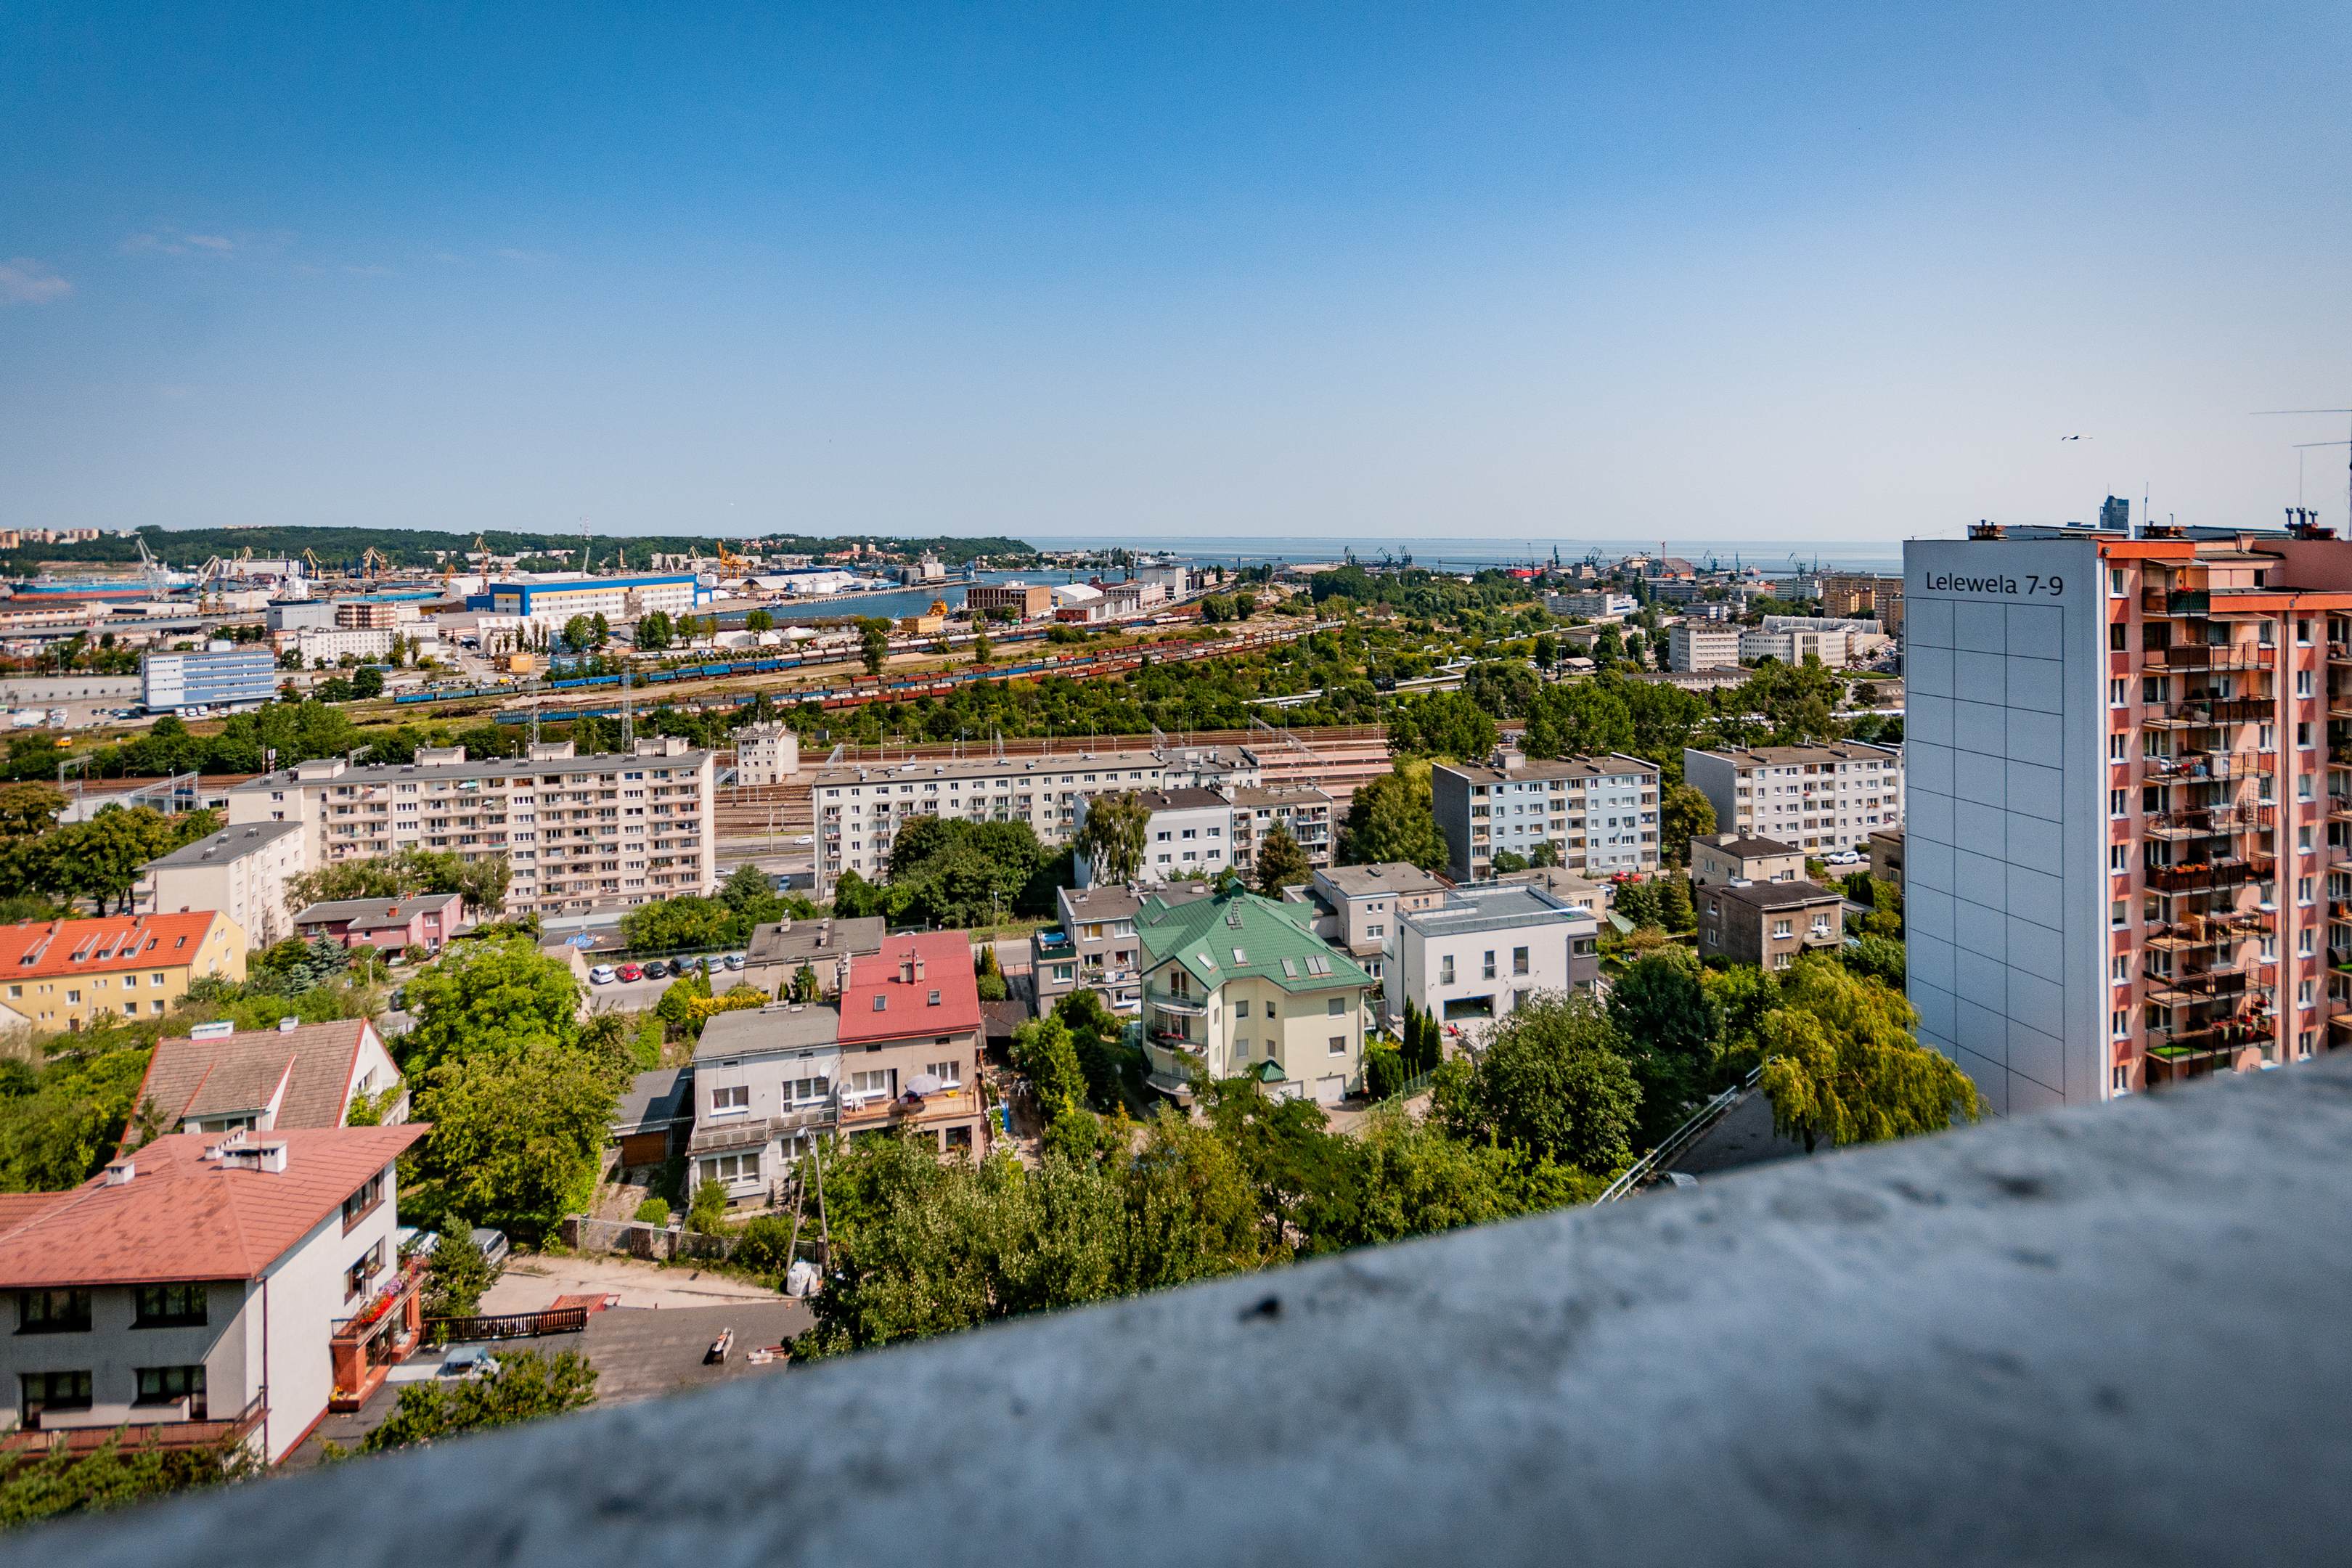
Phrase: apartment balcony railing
(2213,656)
(864,1112)
(2206,714)
(170,1435)
(2198,877)
(1175,1005)
(2040,1285)
(2197,765)
(2210,929)
(2160,602)
(2208,821)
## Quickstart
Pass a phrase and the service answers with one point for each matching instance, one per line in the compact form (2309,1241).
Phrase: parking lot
(636,996)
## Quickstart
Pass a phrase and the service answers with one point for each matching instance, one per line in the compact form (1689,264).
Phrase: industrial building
(225,675)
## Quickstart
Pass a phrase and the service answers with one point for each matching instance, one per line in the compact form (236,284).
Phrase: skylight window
(1240,957)
(1289,970)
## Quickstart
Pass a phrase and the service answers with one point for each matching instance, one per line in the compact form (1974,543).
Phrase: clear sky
(1354,271)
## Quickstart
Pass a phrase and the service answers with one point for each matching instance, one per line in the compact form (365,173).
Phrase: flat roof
(472,768)
(1495,906)
(1774,895)
(1552,768)
(994,767)
(1782,756)
(1383,876)
(229,844)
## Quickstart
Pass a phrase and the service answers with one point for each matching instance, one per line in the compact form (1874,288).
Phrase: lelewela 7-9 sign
(2014,588)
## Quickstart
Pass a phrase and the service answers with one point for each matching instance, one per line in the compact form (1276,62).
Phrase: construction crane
(373,562)
(312,557)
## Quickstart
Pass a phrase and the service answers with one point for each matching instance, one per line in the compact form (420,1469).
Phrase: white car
(1842,858)
(601,976)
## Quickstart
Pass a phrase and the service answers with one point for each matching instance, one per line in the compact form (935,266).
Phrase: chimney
(906,972)
(119,1171)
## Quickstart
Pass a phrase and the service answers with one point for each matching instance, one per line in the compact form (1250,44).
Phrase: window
(52,1311)
(2119,914)
(1519,960)
(1241,1009)
(2119,969)
(732,1100)
(362,1204)
(1339,1046)
(1445,970)
(875,1082)
(2119,859)
(364,1268)
(806,1090)
(169,1307)
(732,1170)
(2303,890)
(2123,1078)
(2119,803)
(53,1391)
(2116,589)
(2303,683)
(2118,748)
(2116,637)
(1333,1007)
(2119,1022)
(2118,692)
(949,1073)
(1486,964)
(170,1384)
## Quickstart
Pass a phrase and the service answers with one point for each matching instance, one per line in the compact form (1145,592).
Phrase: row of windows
(66,1310)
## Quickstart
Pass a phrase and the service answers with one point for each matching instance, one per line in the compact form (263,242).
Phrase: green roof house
(1237,985)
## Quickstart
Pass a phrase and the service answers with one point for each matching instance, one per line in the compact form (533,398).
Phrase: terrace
(1989,1347)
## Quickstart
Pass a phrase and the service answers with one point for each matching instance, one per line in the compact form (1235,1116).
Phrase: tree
(58,1482)
(873,643)
(580,633)
(600,630)
(1547,853)
(1875,957)
(1391,818)
(1442,724)
(517,1133)
(1552,1078)
(1507,861)
(653,631)
(1045,1054)
(804,986)
(1281,863)
(1670,1026)
(982,650)
(1216,608)
(760,621)
(1683,814)
(488,997)
(1111,837)
(367,682)
(1841,1062)
(456,1275)
(1675,911)
(1638,902)
(526,1386)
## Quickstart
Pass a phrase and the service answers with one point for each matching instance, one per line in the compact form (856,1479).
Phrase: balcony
(368,1345)
(170,1435)
(2200,877)
(1177,1007)
(862,1113)
(2160,602)
(2212,656)
(1972,1313)
(2206,714)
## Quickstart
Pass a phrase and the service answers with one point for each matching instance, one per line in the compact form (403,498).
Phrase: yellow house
(60,975)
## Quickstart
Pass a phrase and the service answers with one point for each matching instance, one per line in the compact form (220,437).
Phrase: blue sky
(1353,271)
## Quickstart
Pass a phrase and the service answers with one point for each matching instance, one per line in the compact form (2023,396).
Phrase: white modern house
(210,1287)
(1472,959)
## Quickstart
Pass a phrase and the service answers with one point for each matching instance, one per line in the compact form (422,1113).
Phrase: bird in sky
(2078,438)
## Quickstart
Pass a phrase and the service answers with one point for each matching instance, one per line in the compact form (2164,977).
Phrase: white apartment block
(767,753)
(860,808)
(1819,799)
(1188,834)
(1599,815)
(332,643)
(582,833)
(1479,952)
(241,870)
(1595,605)
(1692,647)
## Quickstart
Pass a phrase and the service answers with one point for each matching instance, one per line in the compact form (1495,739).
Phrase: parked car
(631,971)
(734,961)
(602,974)
(493,1243)
(1842,858)
(690,964)
(400,999)
(656,970)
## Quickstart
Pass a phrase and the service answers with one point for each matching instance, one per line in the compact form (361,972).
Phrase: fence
(1681,1138)
(507,1325)
(654,1243)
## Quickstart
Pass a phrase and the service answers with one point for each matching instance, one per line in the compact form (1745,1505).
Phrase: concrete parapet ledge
(2108,1334)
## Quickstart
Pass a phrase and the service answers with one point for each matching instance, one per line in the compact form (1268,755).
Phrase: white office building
(1474,957)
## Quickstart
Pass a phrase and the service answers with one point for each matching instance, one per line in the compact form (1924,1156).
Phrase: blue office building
(226,675)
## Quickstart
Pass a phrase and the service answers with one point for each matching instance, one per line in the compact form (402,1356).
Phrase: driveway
(532,1282)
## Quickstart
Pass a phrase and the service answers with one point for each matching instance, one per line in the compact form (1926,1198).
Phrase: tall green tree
(1841,1062)
(1552,1078)
(1111,837)
(1683,814)
(518,1132)
(873,643)
(1281,863)
(1391,818)
(488,996)
(1671,1027)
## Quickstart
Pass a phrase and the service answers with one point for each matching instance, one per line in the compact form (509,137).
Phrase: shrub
(458,1275)
(765,1246)
(1384,1072)
(654,1211)
(707,1216)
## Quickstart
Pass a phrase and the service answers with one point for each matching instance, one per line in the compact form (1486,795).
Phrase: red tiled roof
(44,949)
(183,1217)
(906,1010)
(241,1072)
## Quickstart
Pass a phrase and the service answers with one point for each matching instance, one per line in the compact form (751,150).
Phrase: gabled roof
(242,1071)
(880,1004)
(1240,935)
(788,942)
(374,914)
(42,950)
(184,1217)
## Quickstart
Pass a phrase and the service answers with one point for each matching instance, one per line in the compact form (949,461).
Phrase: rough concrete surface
(2106,1335)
